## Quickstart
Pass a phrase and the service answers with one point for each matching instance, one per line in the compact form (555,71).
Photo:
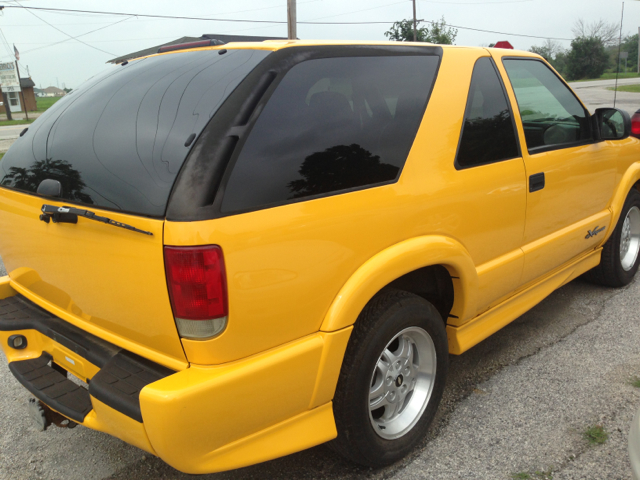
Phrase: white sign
(9,77)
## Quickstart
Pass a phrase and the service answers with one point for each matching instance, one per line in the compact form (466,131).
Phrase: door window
(488,133)
(551,114)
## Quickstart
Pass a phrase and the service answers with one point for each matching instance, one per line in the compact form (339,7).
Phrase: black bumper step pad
(52,387)
(19,313)
(118,383)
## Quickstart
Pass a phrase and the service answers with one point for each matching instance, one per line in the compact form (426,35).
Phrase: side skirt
(464,337)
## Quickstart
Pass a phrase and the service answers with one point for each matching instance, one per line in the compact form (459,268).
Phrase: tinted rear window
(332,125)
(118,141)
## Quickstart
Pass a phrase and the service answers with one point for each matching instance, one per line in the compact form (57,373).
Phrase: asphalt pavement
(516,404)
(595,94)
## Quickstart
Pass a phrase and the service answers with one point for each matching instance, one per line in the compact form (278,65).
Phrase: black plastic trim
(52,387)
(199,188)
(119,382)
(561,146)
(536,182)
(122,374)
(12,339)
(18,313)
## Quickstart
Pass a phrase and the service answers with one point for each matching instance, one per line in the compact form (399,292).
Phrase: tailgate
(106,280)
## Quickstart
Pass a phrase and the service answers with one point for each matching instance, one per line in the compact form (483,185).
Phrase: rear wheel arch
(437,268)
(433,283)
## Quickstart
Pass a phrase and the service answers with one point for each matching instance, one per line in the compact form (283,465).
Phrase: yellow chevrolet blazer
(229,253)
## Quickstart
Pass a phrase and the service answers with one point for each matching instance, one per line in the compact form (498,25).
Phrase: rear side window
(332,125)
(488,133)
(552,116)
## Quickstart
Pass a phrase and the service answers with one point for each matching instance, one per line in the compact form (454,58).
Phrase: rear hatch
(115,145)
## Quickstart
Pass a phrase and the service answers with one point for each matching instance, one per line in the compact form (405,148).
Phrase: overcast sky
(70,63)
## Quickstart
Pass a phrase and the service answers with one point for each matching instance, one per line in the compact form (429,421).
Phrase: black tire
(610,272)
(387,315)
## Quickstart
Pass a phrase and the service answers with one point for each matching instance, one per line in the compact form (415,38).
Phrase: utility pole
(24,104)
(7,109)
(415,31)
(292,20)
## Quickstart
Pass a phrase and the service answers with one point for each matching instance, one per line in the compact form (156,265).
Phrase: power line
(265,21)
(56,28)
(499,33)
(77,36)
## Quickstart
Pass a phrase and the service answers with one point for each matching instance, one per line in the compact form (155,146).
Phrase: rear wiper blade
(71,214)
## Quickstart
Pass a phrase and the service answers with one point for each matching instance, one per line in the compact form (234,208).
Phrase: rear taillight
(198,290)
(635,124)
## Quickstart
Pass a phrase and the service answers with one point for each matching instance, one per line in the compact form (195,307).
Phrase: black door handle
(536,182)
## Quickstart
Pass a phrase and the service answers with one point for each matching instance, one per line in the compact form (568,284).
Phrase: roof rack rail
(183,46)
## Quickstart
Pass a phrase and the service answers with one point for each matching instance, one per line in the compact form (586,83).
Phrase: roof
(26,83)
(52,90)
(208,36)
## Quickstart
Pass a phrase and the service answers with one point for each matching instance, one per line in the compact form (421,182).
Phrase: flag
(16,52)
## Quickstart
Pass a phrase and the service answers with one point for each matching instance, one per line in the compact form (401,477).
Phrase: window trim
(456,164)
(558,146)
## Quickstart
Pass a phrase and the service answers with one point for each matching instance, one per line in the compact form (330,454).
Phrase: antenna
(615,89)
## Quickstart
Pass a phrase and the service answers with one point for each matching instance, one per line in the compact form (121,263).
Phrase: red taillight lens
(635,125)
(197,282)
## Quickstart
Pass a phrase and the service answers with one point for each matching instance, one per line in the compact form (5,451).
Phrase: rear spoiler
(183,46)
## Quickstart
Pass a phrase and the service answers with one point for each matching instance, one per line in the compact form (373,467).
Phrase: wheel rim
(402,383)
(630,239)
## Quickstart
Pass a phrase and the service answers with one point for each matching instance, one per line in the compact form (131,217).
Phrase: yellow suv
(246,250)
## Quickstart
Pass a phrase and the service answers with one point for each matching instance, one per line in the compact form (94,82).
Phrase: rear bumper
(199,420)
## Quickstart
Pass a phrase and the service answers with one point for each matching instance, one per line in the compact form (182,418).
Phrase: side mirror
(611,124)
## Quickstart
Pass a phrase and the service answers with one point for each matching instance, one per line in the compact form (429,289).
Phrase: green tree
(630,45)
(29,178)
(438,32)
(586,59)
(560,62)
(548,50)
(552,52)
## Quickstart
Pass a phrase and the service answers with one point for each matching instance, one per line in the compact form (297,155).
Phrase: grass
(627,88)
(43,103)
(1,155)
(635,382)
(4,123)
(610,76)
(596,435)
